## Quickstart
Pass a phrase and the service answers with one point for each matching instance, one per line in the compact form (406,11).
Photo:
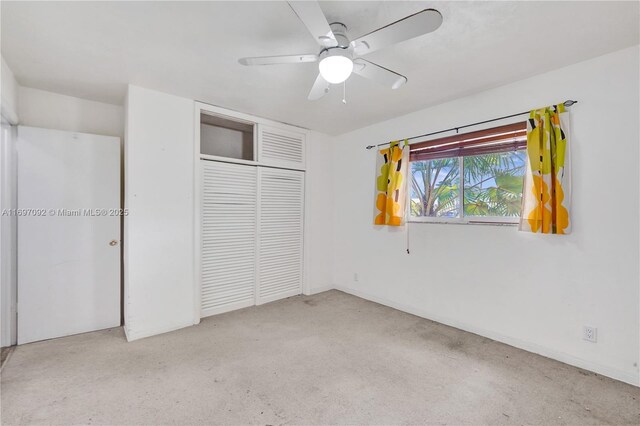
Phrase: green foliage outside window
(492,185)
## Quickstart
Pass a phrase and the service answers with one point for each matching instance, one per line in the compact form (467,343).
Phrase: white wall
(318,213)
(8,93)
(38,108)
(531,291)
(158,234)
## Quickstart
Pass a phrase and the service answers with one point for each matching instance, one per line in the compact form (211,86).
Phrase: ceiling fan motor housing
(335,51)
(340,32)
(344,47)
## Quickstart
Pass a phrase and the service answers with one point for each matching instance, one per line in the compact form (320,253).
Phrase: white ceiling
(92,50)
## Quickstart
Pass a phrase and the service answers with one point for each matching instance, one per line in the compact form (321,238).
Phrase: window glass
(473,177)
(493,184)
(435,188)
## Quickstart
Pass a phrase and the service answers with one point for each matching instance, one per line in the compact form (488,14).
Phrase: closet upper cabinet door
(280,225)
(281,148)
(229,222)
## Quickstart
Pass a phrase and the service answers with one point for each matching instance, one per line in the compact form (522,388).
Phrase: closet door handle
(113,243)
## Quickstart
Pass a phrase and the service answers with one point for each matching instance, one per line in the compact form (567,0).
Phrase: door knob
(113,243)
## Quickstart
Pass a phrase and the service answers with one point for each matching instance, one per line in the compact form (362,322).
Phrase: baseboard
(604,370)
(132,335)
(316,290)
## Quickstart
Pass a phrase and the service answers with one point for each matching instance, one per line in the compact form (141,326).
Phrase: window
(469,178)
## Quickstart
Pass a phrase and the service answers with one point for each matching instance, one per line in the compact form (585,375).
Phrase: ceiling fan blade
(380,75)
(412,26)
(313,18)
(319,89)
(274,60)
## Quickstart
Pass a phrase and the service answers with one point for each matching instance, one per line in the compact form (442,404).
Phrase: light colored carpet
(325,359)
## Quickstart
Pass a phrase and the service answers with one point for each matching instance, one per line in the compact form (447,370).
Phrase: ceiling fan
(339,56)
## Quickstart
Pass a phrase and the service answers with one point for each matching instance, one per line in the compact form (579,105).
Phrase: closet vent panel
(281,148)
(228,232)
(280,253)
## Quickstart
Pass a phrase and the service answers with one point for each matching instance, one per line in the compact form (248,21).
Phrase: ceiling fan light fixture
(335,68)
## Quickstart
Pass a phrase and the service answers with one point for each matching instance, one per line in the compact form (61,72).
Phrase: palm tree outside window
(475,177)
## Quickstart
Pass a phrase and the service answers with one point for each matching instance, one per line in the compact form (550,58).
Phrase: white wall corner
(41,108)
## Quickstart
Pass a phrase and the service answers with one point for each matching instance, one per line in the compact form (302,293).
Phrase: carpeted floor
(324,359)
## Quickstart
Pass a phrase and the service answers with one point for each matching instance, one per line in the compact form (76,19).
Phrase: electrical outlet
(590,334)
(355,277)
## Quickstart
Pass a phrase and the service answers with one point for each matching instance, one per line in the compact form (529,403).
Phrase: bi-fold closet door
(251,235)
(252,223)
(228,236)
(280,233)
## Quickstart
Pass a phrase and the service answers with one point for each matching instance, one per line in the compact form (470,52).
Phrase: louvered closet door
(280,227)
(281,148)
(229,201)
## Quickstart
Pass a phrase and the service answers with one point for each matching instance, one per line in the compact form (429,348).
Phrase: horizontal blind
(507,138)
(229,201)
(280,233)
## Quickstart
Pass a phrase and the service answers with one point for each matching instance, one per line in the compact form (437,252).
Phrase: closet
(251,210)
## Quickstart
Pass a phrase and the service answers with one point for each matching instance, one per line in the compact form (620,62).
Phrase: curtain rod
(565,103)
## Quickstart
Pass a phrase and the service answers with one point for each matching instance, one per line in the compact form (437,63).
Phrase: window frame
(461,219)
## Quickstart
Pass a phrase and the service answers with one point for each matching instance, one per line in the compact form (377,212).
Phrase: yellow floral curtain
(547,182)
(392,165)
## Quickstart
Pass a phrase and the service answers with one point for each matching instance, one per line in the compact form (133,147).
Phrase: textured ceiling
(92,50)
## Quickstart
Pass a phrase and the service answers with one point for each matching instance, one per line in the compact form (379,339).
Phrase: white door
(280,233)
(228,227)
(69,242)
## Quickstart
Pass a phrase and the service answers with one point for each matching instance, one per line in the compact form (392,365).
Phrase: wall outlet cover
(590,334)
